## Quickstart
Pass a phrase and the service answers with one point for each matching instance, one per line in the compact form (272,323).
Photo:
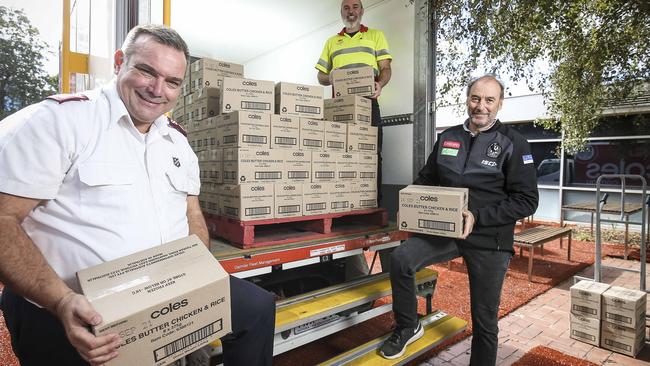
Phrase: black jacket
(497,167)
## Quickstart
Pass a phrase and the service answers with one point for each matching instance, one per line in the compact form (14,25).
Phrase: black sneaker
(395,345)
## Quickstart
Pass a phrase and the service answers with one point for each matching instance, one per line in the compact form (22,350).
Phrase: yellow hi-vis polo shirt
(367,47)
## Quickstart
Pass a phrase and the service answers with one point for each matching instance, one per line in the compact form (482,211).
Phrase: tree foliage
(582,55)
(22,78)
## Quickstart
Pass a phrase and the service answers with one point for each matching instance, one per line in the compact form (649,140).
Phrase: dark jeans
(486,270)
(38,338)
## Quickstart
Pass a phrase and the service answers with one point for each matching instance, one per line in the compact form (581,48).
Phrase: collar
(484,129)
(362,29)
(118,112)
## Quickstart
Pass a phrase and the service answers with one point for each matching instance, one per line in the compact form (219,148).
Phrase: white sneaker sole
(415,337)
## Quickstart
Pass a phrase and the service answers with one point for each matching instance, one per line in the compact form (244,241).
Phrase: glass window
(533,132)
(547,162)
(608,157)
(630,125)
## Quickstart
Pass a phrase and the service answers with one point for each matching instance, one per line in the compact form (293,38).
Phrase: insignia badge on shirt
(450,148)
(449,152)
(528,159)
(451,144)
(494,150)
(177,162)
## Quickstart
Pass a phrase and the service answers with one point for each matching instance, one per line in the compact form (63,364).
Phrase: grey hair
(488,76)
(360,3)
(160,34)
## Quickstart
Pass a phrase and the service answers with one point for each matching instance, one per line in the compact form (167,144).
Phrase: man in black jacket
(495,163)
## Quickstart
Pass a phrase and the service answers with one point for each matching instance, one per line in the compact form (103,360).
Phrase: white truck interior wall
(396,20)
(102,42)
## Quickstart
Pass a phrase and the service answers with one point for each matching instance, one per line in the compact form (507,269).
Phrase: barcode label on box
(363,146)
(584,309)
(322,175)
(188,340)
(256,105)
(268,175)
(288,209)
(363,175)
(256,211)
(314,143)
(254,139)
(307,109)
(363,118)
(619,318)
(618,345)
(436,225)
(368,203)
(347,174)
(231,211)
(316,206)
(230,139)
(286,140)
(229,175)
(298,175)
(583,335)
(335,145)
(342,117)
(340,204)
(360,89)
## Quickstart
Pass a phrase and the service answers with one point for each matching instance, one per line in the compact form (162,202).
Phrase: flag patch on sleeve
(528,159)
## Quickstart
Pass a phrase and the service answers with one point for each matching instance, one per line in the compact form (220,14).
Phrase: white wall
(102,42)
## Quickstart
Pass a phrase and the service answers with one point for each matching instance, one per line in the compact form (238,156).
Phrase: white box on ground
(585,329)
(247,95)
(288,199)
(316,198)
(432,210)
(164,302)
(251,201)
(299,100)
(624,306)
(618,338)
(586,298)
(285,131)
(354,81)
(349,109)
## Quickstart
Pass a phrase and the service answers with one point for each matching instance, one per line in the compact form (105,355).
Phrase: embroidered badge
(177,162)
(451,144)
(494,150)
(449,152)
(489,163)
(528,159)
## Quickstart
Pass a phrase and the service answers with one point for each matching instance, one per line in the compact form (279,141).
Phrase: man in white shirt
(89,178)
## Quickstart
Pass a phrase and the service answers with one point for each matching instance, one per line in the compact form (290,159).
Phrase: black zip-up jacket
(497,167)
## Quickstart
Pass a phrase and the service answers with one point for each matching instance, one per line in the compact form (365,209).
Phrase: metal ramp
(623,219)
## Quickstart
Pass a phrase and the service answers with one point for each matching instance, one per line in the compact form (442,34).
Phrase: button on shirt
(107,190)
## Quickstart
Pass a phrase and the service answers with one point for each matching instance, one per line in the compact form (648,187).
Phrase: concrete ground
(545,321)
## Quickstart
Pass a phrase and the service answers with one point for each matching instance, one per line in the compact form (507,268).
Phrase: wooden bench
(538,236)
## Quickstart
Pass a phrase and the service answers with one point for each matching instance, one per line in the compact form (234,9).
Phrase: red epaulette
(173,124)
(62,98)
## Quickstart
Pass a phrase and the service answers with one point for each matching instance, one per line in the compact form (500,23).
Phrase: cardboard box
(207,72)
(210,187)
(165,302)
(624,306)
(288,199)
(203,140)
(285,131)
(299,100)
(316,198)
(349,109)
(585,329)
(212,155)
(341,197)
(244,129)
(586,298)
(364,195)
(432,210)
(209,201)
(347,166)
(211,172)
(250,201)
(298,165)
(362,138)
(205,103)
(335,136)
(178,114)
(323,166)
(368,166)
(209,123)
(312,134)
(245,165)
(247,95)
(617,338)
(354,81)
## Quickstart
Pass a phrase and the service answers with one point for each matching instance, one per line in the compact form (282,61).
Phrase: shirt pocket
(107,192)
(178,186)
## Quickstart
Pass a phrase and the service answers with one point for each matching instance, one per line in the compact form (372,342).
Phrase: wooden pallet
(258,233)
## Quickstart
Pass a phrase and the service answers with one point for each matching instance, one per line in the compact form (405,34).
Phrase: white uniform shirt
(109,191)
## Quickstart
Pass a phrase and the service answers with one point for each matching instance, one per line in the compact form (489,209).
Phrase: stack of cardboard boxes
(277,150)
(607,316)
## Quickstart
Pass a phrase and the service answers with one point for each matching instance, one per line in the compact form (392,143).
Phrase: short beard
(349,24)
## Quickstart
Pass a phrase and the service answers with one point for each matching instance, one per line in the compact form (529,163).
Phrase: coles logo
(451,144)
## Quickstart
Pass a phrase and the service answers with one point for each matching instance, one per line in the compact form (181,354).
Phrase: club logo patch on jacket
(494,150)
(450,148)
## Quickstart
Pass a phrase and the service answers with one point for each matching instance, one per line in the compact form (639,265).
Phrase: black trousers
(486,270)
(38,338)
(376,121)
